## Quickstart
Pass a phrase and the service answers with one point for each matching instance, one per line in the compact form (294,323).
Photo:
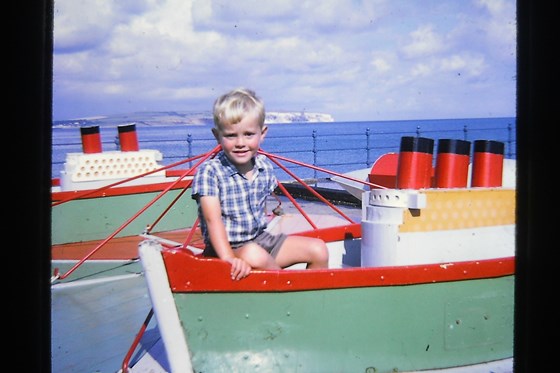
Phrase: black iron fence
(340,152)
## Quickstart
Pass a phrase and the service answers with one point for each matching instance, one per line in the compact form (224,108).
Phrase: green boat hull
(88,219)
(370,329)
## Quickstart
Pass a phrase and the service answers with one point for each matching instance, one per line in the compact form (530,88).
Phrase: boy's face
(241,141)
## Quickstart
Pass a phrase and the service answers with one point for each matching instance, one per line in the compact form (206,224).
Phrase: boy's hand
(239,268)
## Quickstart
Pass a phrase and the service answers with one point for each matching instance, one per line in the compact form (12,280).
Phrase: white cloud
(425,42)
(380,65)
(421,69)
(354,59)
(464,64)
(501,28)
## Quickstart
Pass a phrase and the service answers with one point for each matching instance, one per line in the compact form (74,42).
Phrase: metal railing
(329,151)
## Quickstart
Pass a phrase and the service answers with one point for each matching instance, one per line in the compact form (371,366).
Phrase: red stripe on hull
(190,273)
(117,191)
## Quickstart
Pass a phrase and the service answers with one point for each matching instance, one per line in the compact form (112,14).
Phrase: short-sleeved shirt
(242,200)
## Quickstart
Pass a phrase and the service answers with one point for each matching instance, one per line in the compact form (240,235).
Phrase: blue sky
(354,59)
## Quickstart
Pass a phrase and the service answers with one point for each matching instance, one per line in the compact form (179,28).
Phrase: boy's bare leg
(299,249)
(256,256)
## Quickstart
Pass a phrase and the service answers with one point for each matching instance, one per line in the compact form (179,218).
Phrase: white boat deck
(94,322)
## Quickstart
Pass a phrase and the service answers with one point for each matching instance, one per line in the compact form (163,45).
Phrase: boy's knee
(321,250)
(255,255)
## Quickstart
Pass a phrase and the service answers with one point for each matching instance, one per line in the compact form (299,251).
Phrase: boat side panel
(455,245)
(454,225)
(461,208)
(394,328)
(96,218)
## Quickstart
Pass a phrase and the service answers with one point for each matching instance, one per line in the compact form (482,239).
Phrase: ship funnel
(414,170)
(488,163)
(91,139)
(127,138)
(452,163)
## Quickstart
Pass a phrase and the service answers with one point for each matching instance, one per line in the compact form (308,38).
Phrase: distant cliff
(293,117)
(166,118)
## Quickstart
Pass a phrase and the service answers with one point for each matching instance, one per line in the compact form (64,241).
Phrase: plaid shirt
(242,200)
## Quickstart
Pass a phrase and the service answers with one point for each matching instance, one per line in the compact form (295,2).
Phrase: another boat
(420,278)
(98,189)
(102,203)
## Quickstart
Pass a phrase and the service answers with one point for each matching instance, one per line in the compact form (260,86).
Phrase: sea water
(334,146)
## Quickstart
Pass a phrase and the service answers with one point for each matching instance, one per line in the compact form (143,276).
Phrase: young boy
(231,190)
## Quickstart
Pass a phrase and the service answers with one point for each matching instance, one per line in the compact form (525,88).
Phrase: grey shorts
(270,242)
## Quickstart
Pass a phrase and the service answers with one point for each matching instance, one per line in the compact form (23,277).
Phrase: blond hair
(230,108)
